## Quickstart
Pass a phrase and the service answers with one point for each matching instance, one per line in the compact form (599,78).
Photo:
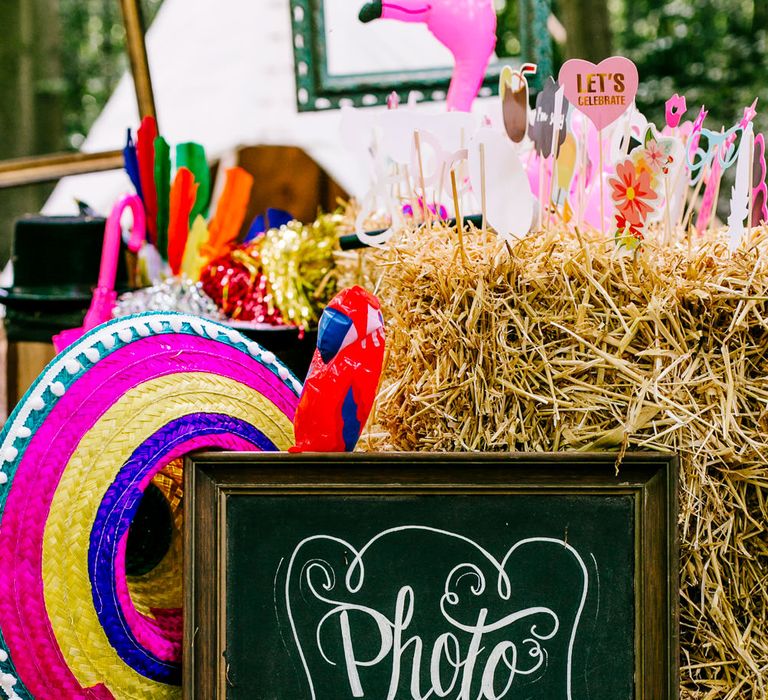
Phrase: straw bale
(556,342)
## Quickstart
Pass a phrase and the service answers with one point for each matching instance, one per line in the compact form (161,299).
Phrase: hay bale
(557,343)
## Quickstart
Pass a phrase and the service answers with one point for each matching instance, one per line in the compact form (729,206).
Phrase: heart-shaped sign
(603,92)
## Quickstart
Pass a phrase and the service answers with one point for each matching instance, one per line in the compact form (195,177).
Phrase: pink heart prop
(603,92)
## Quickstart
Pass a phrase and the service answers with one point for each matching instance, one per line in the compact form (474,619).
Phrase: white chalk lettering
(477,656)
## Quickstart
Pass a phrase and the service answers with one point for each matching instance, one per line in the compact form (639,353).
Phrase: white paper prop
(740,190)
(365,136)
(509,201)
(379,198)
(630,125)
(399,125)
(435,163)
(395,167)
(677,180)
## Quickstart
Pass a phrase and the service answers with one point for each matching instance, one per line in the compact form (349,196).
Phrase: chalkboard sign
(327,577)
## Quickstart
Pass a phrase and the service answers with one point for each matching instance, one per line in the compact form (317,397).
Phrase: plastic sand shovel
(105,296)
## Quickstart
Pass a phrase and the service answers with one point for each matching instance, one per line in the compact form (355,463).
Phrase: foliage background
(715,52)
(59,62)
(61,59)
(93,42)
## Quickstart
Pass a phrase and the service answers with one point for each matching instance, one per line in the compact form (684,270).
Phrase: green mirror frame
(317,89)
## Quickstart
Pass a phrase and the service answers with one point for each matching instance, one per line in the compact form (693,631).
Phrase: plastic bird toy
(344,375)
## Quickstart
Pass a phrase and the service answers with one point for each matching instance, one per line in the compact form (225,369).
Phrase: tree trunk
(16,137)
(48,81)
(760,16)
(30,111)
(588,27)
(16,133)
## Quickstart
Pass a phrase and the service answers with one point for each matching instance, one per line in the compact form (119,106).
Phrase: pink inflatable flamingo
(466,27)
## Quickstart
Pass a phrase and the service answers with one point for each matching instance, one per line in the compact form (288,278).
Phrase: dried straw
(558,343)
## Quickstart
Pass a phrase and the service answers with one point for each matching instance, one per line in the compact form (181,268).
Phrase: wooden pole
(600,174)
(692,203)
(542,172)
(425,203)
(483,191)
(552,177)
(411,195)
(459,220)
(667,213)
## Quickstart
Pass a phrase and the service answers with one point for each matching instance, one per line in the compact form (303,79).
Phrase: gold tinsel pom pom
(298,261)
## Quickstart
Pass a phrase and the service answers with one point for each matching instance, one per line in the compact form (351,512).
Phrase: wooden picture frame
(317,89)
(26,171)
(648,480)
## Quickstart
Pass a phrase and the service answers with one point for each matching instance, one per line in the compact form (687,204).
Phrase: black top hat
(56,262)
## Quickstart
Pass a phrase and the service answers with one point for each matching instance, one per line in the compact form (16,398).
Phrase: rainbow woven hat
(115,411)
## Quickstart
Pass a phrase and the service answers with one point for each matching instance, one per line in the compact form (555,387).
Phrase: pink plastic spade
(105,296)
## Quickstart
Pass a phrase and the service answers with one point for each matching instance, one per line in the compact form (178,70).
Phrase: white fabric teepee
(223,75)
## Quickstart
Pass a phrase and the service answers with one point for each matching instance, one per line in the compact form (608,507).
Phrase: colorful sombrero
(105,424)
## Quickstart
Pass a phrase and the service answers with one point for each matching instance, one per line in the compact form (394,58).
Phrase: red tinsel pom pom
(236,282)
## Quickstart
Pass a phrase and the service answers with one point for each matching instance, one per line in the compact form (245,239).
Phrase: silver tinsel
(174,294)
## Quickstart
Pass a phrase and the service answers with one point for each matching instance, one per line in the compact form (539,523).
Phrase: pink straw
(113,234)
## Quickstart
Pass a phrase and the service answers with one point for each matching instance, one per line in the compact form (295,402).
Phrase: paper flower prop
(466,27)
(631,193)
(78,453)
(656,157)
(638,189)
(344,375)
